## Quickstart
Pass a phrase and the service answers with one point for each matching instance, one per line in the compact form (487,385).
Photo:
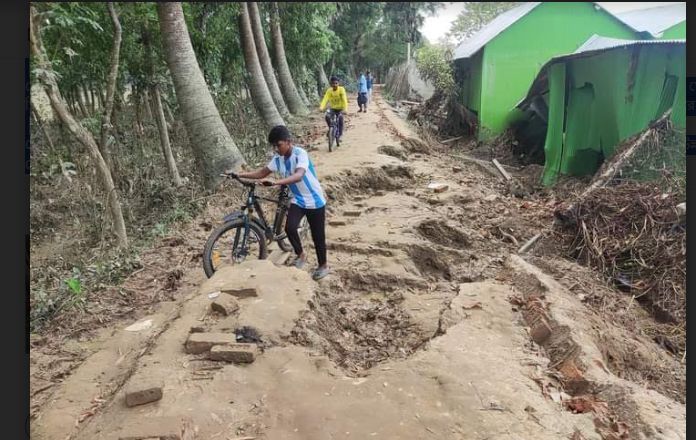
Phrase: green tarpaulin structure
(495,67)
(604,93)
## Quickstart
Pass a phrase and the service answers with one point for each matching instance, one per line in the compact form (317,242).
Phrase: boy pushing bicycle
(293,163)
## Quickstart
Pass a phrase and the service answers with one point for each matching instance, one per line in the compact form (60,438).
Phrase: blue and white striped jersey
(307,193)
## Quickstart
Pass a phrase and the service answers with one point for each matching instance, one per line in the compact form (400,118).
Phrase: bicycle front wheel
(232,243)
(332,137)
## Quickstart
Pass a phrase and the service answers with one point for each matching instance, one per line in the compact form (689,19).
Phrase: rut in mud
(359,321)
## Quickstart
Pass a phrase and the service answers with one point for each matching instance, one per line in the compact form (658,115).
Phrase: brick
(225,304)
(238,353)
(143,392)
(570,370)
(201,342)
(337,223)
(352,213)
(246,292)
(438,187)
(456,169)
(161,428)
(540,332)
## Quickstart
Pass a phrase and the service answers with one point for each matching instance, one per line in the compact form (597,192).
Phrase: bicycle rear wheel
(226,245)
(302,229)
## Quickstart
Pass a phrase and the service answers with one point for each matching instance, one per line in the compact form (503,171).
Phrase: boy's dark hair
(332,79)
(279,133)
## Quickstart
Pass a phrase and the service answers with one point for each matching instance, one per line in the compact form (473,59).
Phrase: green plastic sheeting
(553,148)
(611,96)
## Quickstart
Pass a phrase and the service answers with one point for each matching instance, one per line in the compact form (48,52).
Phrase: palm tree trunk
(259,89)
(81,101)
(106,126)
(322,80)
(135,99)
(292,97)
(303,95)
(146,102)
(164,137)
(212,145)
(159,111)
(92,101)
(48,81)
(41,125)
(265,59)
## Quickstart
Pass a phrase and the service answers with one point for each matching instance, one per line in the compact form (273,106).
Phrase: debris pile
(634,234)
(442,114)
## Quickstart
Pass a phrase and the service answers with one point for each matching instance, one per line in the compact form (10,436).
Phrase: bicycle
(333,131)
(249,230)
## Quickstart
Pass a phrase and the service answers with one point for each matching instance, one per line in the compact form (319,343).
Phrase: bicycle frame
(247,210)
(334,123)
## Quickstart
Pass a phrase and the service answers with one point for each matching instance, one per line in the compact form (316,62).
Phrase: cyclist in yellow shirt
(337,99)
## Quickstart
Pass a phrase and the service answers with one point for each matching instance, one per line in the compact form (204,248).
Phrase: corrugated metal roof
(594,44)
(477,41)
(655,20)
(597,43)
(474,43)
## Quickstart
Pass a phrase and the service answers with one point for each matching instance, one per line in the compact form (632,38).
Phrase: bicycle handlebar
(245,182)
(249,183)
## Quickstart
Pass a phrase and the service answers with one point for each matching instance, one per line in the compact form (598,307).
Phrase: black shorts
(362,98)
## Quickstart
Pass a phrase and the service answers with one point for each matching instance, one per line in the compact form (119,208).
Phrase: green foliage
(306,33)
(77,38)
(215,38)
(75,285)
(435,65)
(475,16)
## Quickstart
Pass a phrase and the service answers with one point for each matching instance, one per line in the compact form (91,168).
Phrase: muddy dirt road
(430,327)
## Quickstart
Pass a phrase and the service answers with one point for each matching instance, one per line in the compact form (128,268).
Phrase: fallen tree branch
(617,161)
(529,244)
(480,163)
(502,170)
(452,139)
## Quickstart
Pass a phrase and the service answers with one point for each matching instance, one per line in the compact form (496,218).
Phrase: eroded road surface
(429,327)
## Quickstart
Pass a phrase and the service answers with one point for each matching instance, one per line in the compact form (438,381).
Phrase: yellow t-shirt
(337,99)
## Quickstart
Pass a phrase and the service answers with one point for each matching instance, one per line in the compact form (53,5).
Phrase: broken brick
(246,292)
(201,342)
(438,187)
(238,353)
(225,304)
(540,332)
(141,393)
